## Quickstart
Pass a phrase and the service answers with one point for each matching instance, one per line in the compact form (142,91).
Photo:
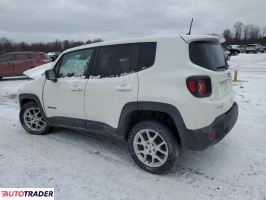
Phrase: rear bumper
(202,138)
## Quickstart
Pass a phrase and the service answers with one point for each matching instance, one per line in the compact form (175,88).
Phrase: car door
(113,84)
(64,99)
(22,63)
(6,65)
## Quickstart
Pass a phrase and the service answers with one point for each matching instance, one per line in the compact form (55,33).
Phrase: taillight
(199,86)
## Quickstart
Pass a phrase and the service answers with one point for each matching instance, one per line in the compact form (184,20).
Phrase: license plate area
(225,87)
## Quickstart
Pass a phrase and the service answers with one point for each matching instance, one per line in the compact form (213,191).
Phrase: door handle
(76,88)
(124,87)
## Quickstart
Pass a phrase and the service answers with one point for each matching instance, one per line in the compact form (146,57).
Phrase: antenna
(190,27)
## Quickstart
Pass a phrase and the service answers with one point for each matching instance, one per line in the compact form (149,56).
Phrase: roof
(187,38)
(15,52)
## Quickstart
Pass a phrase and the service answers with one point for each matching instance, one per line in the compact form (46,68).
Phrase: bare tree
(7,45)
(246,33)
(238,27)
(227,35)
(263,30)
(254,33)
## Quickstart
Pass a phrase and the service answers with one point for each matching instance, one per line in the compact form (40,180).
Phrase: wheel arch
(137,111)
(25,98)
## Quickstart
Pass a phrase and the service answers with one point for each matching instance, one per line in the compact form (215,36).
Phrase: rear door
(22,63)
(6,65)
(113,84)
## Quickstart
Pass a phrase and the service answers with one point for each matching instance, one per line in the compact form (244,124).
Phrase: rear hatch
(207,53)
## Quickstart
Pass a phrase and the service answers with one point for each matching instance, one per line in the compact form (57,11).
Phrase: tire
(32,119)
(148,153)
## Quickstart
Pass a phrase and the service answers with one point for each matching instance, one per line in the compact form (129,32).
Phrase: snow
(36,72)
(87,166)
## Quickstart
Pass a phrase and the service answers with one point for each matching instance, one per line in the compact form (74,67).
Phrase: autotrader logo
(26,193)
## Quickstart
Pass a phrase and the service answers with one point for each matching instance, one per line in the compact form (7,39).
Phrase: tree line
(7,45)
(245,34)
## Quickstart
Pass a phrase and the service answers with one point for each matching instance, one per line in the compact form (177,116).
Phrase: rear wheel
(153,147)
(32,119)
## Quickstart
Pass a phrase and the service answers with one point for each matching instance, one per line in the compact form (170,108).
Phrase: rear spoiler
(193,38)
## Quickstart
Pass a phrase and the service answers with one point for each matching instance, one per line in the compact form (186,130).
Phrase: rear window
(21,56)
(116,60)
(209,55)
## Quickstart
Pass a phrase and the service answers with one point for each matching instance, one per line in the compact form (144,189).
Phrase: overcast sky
(47,20)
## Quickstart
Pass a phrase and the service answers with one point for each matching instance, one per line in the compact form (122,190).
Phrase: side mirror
(50,75)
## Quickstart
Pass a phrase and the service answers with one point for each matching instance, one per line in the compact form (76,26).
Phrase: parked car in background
(53,55)
(235,49)
(15,63)
(254,48)
(227,54)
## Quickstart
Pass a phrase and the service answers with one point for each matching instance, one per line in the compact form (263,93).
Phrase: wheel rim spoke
(150,148)
(33,119)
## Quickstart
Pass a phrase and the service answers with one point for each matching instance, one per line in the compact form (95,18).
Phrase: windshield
(209,55)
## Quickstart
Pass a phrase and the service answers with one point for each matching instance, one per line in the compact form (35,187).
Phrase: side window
(117,60)
(21,56)
(147,53)
(75,64)
(6,58)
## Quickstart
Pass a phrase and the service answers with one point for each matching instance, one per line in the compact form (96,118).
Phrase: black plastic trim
(34,98)
(198,139)
(190,139)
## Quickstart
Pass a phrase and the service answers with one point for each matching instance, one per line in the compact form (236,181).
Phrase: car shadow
(115,149)
(108,146)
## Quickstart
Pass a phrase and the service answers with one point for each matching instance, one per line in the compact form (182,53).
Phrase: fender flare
(131,107)
(34,98)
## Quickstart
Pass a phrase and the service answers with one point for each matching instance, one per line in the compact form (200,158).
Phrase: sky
(48,20)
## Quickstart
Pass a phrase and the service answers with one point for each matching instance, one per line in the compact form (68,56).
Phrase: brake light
(199,86)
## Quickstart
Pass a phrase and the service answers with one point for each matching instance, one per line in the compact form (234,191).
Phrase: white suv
(160,94)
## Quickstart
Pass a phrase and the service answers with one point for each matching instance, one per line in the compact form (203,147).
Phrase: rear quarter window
(209,55)
(147,53)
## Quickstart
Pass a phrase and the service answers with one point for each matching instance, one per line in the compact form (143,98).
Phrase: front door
(64,99)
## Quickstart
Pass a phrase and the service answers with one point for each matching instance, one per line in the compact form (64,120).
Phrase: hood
(36,72)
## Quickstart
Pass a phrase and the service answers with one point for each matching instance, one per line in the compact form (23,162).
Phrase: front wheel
(32,119)
(153,146)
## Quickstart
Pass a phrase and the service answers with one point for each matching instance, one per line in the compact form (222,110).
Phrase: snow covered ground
(83,166)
